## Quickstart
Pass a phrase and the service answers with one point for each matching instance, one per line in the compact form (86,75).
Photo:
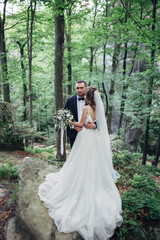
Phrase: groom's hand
(90,125)
(78,129)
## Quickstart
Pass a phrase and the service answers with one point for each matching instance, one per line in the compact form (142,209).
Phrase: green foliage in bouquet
(63,118)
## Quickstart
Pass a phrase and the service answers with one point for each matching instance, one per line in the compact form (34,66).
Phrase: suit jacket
(71,104)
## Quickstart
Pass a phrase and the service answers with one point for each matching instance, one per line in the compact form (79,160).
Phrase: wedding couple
(82,196)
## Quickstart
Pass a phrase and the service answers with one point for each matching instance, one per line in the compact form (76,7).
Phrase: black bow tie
(79,99)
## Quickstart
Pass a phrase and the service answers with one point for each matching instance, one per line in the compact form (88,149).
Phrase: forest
(113,45)
(47,45)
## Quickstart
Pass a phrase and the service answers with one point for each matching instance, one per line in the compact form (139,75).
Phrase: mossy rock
(9,140)
(118,144)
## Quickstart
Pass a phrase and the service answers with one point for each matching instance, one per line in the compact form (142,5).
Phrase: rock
(7,112)
(7,116)
(130,133)
(32,220)
(117,144)
(132,137)
(10,232)
(9,139)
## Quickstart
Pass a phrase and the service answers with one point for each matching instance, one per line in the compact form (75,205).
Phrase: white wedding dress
(82,196)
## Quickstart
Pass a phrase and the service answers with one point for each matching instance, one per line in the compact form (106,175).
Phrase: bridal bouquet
(64,118)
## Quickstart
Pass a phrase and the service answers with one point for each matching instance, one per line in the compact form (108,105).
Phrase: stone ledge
(32,220)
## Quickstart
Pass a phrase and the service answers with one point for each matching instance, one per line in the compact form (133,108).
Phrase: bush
(52,159)
(38,150)
(8,171)
(17,134)
(140,195)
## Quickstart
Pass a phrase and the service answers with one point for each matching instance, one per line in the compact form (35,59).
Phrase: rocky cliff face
(9,139)
(32,220)
(6,116)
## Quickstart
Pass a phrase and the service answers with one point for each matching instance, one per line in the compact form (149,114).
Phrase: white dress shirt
(80,105)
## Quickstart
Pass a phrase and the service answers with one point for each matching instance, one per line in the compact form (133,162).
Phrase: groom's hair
(82,81)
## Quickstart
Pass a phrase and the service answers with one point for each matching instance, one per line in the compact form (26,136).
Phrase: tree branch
(4,12)
(12,26)
(139,26)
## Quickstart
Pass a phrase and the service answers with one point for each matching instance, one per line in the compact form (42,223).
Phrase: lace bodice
(89,118)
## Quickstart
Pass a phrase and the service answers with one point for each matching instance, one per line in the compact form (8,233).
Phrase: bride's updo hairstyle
(90,97)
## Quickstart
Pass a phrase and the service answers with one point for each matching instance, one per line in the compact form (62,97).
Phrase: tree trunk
(124,86)
(104,45)
(104,63)
(69,55)
(91,48)
(154,2)
(91,60)
(104,58)
(58,77)
(29,46)
(155,162)
(103,85)
(3,57)
(106,98)
(21,47)
(111,92)
(124,74)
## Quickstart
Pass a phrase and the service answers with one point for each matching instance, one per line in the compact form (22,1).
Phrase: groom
(75,104)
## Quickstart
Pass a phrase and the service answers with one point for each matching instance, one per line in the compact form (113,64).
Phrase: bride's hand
(78,129)
(89,125)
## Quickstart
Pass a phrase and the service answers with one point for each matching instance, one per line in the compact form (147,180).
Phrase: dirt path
(14,157)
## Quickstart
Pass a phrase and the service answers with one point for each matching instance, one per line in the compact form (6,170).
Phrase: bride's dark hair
(90,97)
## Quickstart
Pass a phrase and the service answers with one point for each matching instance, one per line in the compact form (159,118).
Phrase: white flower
(64,118)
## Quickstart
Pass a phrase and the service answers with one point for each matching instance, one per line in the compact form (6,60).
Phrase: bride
(82,196)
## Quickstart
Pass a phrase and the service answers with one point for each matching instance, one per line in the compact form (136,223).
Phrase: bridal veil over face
(103,132)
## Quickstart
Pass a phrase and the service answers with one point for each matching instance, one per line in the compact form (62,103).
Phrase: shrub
(38,150)
(8,171)
(140,195)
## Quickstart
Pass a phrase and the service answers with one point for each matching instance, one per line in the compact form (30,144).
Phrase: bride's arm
(83,118)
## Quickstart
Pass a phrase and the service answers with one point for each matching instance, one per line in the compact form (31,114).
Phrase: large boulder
(32,220)
(7,116)
(9,138)
(117,144)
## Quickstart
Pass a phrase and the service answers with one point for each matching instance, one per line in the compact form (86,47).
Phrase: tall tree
(68,26)
(157,154)
(104,58)
(92,47)
(58,77)
(3,56)
(149,103)
(30,20)
(21,48)
(115,61)
(123,98)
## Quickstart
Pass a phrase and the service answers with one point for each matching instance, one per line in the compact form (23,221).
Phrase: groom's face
(80,89)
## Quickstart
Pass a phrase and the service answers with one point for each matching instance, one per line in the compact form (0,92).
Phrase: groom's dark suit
(71,104)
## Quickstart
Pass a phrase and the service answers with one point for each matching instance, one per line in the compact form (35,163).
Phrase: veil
(103,132)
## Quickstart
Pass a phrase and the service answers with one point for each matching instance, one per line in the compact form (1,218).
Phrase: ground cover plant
(8,171)
(139,186)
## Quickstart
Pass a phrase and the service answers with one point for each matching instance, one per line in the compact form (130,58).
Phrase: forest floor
(9,187)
